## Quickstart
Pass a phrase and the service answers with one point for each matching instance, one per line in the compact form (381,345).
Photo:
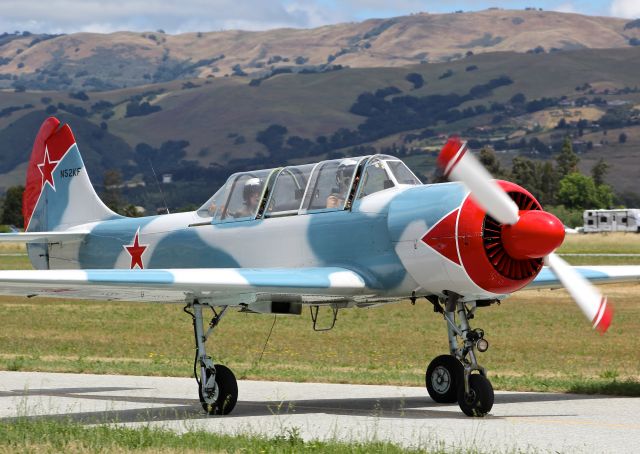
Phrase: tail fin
(58,194)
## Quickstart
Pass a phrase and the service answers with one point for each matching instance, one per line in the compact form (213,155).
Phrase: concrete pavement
(544,422)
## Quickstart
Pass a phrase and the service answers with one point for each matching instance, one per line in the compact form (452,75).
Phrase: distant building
(623,220)
(167,178)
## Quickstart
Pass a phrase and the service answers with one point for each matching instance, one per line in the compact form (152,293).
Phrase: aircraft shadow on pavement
(186,409)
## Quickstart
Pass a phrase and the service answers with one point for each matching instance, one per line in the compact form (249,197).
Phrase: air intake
(501,261)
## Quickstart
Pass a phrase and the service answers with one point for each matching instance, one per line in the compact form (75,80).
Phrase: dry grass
(548,119)
(534,333)
(539,339)
(604,243)
(13,247)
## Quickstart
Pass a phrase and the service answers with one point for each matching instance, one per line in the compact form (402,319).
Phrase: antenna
(275,318)
(159,187)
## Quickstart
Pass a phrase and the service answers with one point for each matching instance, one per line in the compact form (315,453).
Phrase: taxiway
(404,415)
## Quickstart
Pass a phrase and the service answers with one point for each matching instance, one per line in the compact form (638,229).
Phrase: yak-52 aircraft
(343,233)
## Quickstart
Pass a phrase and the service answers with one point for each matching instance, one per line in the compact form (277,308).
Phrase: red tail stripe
(57,140)
(33,184)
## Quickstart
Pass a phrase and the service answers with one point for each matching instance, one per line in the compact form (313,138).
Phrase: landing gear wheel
(443,376)
(479,400)
(227,392)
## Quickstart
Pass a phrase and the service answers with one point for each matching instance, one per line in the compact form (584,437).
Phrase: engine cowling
(467,251)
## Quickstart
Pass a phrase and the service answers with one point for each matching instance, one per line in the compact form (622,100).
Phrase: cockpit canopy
(325,186)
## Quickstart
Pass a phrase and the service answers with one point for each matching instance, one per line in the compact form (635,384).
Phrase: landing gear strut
(458,376)
(217,386)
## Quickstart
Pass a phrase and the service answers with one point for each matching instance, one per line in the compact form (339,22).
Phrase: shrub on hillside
(416,79)
(79,95)
(447,73)
(136,109)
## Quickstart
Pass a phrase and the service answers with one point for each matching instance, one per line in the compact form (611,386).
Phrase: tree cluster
(12,207)
(561,186)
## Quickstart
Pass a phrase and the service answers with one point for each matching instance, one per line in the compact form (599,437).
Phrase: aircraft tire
(442,378)
(479,401)
(228,392)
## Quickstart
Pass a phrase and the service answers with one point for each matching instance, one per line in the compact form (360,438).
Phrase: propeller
(459,165)
(591,301)
(525,234)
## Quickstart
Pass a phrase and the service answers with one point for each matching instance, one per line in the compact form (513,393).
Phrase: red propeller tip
(450,154)
(602,322)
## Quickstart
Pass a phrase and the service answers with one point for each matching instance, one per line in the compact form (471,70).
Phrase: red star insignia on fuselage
(46,169)
(136,250)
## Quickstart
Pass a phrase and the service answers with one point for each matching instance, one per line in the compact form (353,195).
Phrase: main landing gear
(457,376)
(217,386)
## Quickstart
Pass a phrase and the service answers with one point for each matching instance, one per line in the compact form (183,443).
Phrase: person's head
(345,171)
(251,192)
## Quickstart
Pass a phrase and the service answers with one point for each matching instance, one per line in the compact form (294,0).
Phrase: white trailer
(623,220)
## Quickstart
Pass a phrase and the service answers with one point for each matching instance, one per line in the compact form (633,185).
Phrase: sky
(104,16)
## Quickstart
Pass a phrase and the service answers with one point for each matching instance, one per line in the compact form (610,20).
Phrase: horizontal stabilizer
(42,237)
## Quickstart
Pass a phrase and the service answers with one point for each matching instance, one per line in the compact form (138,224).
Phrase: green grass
(35,436)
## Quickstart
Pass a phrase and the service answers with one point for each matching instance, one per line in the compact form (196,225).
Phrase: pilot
(251,197)
(343,178)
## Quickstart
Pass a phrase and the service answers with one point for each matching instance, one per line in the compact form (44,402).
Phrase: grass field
(46,436)
(539,339)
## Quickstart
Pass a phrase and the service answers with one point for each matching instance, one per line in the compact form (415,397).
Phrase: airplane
(343,233)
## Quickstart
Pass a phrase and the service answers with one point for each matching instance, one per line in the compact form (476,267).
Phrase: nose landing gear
(458,376)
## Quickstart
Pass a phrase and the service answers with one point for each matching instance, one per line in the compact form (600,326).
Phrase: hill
(93,61)
(202,129)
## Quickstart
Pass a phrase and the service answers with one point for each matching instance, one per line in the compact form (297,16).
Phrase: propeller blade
(591,301)
(462,166)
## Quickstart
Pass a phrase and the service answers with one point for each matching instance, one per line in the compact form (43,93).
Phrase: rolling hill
(93,61)
(200,128)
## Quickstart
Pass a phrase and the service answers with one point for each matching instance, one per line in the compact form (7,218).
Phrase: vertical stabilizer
(58,193)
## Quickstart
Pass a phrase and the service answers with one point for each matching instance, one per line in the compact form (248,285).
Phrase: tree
(132,211)
(548,183)
(524,173)
(416,79)
(272,137)
(599,171)
(12,207)
(567,159)
(112,184)
(491,162)
(578,191)
(135,109)
(562,124)
(518,98)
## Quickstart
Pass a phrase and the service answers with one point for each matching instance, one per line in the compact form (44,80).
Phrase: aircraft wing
(595,274)
(42,237)
(222,286)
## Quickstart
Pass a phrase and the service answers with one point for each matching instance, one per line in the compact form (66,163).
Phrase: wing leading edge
(221,285)
(595,274)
